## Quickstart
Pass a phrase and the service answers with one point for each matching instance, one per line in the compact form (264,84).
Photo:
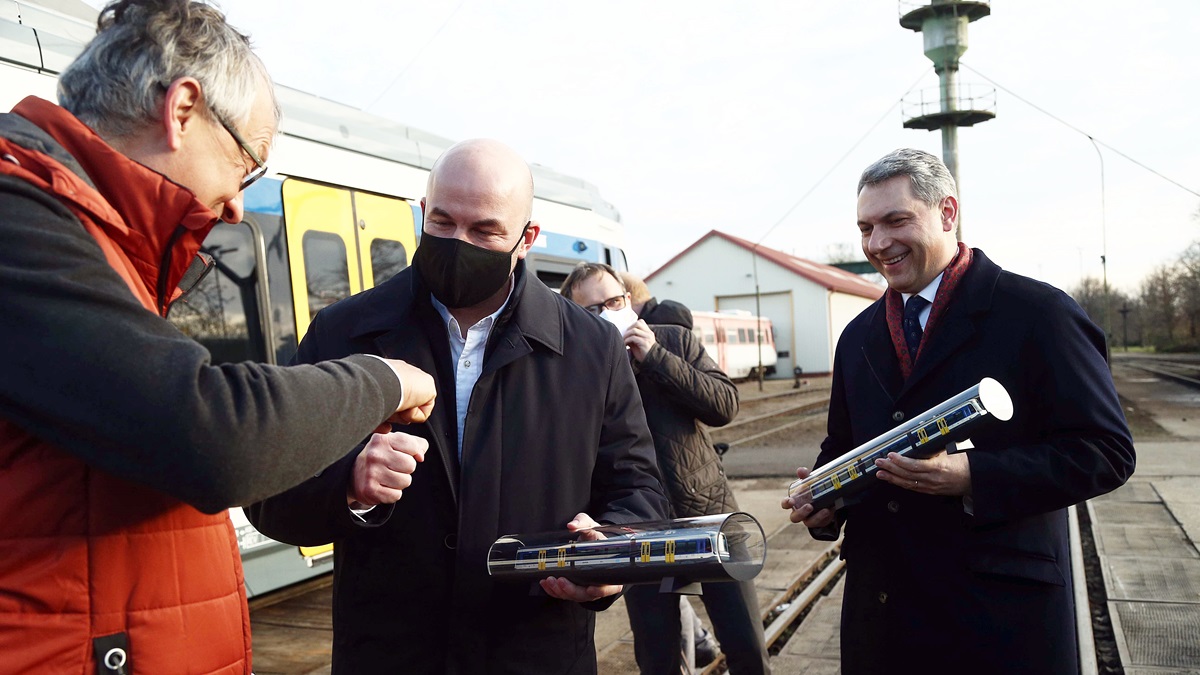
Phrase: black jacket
(987,591)
(683,390)
(555,427)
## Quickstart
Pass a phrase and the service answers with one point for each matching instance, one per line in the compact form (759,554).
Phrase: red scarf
(895,308)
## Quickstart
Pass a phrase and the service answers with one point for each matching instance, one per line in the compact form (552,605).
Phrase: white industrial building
(808,303)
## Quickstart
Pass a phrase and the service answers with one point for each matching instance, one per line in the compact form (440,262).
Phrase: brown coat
(684,390)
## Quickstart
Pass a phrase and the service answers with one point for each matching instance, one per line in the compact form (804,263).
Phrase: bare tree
(1090,296)
(1160,307)
(1188,283)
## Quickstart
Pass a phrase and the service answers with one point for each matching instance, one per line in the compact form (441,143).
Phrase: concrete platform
(1148,530)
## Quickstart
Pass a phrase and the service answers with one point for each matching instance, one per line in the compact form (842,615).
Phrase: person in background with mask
(682,390)
(699,646)
(540,429)
(121,445)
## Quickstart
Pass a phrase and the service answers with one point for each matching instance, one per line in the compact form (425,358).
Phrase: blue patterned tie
(912,324)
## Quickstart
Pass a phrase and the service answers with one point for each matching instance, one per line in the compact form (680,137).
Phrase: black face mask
(461,274)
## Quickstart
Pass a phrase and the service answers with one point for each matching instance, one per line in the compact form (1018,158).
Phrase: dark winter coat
(683,390)
(555,427)
(931,587)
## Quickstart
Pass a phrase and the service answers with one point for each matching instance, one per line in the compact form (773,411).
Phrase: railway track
(766,415)
(789,614)
(1182,369)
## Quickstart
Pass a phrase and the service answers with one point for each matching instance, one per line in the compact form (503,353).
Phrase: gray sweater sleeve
(86,368)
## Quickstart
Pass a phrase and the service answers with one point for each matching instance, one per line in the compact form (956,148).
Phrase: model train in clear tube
(724,547)
(836,482)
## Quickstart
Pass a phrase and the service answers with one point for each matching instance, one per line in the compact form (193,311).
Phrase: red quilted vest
(84,554)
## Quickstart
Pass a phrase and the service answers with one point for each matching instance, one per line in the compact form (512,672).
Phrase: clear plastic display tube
(724,547)
(923,435)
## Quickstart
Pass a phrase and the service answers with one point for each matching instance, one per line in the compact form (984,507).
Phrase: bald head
(487,169)
(480,192)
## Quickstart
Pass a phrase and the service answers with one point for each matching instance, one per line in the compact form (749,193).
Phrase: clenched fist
(383,470)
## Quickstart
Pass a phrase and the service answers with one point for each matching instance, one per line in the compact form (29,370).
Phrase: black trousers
(732,608)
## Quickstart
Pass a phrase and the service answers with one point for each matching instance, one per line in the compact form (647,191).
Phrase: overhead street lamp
(1104,257)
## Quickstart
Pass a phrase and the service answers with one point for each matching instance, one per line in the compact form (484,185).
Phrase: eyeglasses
(613,304)
(260,167)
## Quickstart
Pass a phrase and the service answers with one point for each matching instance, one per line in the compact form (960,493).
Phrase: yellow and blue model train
(724,547)
(835,483)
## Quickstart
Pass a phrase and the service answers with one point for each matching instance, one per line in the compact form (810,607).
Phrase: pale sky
(697,115)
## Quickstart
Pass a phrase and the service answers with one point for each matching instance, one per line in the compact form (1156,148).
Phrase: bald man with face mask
(538,428)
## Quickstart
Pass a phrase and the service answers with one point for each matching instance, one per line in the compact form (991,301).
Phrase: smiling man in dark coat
(960,563)
(538,428)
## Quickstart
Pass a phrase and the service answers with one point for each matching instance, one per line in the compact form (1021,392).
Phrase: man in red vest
(121,446)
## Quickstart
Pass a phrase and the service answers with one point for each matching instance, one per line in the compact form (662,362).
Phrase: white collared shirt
(467,355)
(929,293)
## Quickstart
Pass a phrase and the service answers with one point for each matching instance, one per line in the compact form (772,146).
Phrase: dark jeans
(732,608)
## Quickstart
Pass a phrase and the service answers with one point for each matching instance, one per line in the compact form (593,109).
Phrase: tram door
(341,241)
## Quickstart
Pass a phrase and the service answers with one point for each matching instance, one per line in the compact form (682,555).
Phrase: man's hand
(640,339)
(802,509)
(563,589)
(417,395)
(941,474)
(383,470)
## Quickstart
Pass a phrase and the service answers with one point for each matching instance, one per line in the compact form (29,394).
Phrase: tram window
(326,269)
(731,336)
(617,259)
(742,337)
(710,338)
(551,270)
(387,258)
(552,279)
(282,315)
(214,313)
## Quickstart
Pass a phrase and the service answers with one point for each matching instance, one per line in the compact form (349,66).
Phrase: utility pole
(1125,325)
(757,316)
(944,25)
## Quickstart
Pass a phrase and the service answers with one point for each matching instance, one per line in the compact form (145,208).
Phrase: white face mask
(623,318)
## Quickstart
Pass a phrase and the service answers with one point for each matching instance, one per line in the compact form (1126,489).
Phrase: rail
(786,611)
(1178,377)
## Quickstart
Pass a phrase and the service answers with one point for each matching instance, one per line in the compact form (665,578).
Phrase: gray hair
(117,83)
(931,180)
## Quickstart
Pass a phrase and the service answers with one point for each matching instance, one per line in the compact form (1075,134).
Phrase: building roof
(830,277)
